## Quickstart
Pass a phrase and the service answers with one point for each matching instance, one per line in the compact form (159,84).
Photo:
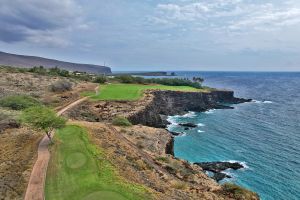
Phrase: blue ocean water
(264,135)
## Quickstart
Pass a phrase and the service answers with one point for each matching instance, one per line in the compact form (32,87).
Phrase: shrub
(121,121)
(239,192)
(58,72)
(178,185)
(39,70)
(100,79)
(162,159)
(18,102)
(196,83)
(126,79)
(61,86)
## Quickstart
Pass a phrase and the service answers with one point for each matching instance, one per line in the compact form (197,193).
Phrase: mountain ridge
(26,61)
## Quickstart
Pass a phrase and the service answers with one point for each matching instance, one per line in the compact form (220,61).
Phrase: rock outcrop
(166,103)
(218,167)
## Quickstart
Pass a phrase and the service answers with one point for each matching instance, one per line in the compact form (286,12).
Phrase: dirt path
(36,185)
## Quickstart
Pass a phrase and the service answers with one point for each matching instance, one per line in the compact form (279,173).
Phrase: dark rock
(219,166)
(188,125)
(170,146)
(223,107)
(175,133)
(8,123)
(220,176)
(166,103)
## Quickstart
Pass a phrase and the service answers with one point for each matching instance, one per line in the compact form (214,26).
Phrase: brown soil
(17,154)
(38,87)
(95,111)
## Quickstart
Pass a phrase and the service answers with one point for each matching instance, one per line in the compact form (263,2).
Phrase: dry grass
(17,155)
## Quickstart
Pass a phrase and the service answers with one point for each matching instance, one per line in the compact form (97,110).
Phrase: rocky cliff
(166,103)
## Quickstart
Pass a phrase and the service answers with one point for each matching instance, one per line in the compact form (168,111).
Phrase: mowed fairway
(79,170)
(132,92)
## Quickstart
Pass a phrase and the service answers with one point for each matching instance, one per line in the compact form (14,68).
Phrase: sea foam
(210,111)
(200,124)
(190,115)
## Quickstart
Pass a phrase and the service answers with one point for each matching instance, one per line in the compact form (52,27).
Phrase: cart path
(36,185)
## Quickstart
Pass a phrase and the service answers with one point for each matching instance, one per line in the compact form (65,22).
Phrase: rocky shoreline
(153,111)
(217,168)
(166,103)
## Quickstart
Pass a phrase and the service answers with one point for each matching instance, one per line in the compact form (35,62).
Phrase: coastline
(153,111)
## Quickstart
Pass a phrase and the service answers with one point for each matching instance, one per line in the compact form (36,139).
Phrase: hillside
(31,61)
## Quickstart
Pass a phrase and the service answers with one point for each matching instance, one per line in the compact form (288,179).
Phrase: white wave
(229,173)
(190,115)
(210,111)
(172,120)
(200,125)
(241,162)
(199,131)
(256,101)
(268,102)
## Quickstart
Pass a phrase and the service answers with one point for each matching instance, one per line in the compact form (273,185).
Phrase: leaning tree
(43,118)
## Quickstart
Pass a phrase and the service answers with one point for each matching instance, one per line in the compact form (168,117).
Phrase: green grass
(80,170)
(18,102)
(131,92)
(121,121)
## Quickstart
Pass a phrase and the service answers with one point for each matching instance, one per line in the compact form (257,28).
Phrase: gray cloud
(22,20)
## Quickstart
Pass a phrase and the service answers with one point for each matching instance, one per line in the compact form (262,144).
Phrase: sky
(147,35)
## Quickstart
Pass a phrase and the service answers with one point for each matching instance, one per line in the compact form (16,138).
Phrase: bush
(196,83)
(58,72)
(121,121)
(18,102)
(126,79)
(61,86)
(238,192)
(39,70)
(100,79)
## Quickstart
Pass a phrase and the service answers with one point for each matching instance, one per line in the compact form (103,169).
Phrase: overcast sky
(239,35)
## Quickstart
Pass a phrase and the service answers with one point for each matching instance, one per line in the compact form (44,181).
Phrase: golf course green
(131,92)
(80,170)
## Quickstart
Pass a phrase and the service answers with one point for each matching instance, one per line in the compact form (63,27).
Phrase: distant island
(31,61)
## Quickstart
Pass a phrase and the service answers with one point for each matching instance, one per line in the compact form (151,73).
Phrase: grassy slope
(132,91)
(79,170)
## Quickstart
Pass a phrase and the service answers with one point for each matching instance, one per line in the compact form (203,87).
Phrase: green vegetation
(100,79)
(131,92)
(121,121)
(18,102)
(42,118)
(80,170)
(238,192)
(196,83)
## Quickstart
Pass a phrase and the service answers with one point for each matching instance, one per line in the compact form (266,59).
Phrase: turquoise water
(263,135)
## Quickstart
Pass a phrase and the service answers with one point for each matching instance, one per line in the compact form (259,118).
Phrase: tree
(100,79)
(42,118)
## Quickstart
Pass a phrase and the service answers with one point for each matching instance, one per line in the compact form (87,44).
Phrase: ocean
(264,135)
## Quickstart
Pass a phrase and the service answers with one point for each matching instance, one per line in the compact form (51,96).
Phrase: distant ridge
(31,61)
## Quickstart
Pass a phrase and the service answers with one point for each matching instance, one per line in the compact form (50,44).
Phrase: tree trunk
(49,136)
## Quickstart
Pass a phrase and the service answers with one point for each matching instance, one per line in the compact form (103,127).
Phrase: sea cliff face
(165,103)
